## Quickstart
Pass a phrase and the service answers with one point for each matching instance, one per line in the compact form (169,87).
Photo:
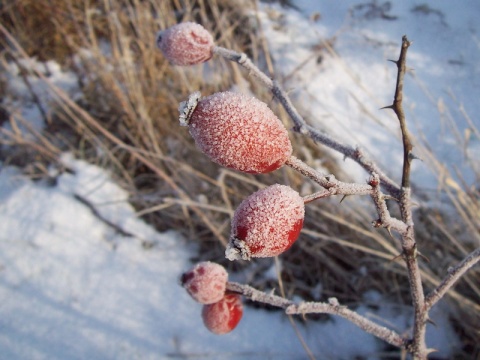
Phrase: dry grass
(126,121)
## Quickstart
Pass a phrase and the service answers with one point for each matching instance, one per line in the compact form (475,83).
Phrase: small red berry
(206,282)
(186,43)
(237,131)
(266,223)
(223,316)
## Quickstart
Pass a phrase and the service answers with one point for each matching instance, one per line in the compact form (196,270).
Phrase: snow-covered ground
(82,277)
(78,282)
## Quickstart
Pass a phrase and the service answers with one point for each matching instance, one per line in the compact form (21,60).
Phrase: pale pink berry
(186,43)
(237,131)
(206,282)
(223,316)
(266,223)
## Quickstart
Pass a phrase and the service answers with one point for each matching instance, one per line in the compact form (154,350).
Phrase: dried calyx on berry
(186,43)
(223,316)
(206,282)
(237,131)
(266,223)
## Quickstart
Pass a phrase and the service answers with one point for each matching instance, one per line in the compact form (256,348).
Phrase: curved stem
(332,307)
(454,274)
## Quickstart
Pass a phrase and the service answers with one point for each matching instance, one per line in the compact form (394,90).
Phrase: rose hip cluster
(238,132)
(206,283)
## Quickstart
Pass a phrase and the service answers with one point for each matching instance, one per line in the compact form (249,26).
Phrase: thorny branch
(398,108)
(332,186)
(409,245)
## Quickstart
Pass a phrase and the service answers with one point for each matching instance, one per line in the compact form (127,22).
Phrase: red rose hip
(186,43)
(223,316)
(237,131)
(205,282)
(266,223)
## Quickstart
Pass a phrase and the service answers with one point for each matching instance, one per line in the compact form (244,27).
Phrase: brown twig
(397,107)
(409,245)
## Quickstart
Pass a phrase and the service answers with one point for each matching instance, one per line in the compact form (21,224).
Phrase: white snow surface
(342,93)
(73,287)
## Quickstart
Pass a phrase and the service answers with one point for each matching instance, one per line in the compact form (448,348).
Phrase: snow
(72,286)
(81,276)
(342,90)
(29,95)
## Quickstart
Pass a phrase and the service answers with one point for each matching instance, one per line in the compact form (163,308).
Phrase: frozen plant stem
(332,307)
(409,246)
(334,186)
(454,274)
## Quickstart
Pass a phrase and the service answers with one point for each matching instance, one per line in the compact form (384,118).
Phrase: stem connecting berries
(266,223)
(186,44)
(223,316)
(206,282)
(237,131)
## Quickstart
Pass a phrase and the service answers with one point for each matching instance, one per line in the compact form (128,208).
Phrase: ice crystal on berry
(186,43)
(266,223)
(206,282)
(238,132)
(223,316)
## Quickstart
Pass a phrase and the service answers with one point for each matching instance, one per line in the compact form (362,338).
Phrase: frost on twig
(301,126)
(332,307)
(454,274)
(329,182)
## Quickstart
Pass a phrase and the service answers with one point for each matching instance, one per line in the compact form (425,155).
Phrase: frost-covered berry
(223,316)
(237,131)
(206,282)
(266,223)
(186,43)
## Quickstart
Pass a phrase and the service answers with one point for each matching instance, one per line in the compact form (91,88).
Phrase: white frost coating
(185,44)
(240,132)
(223,316)
(206,282)
(186,108)
(266,223)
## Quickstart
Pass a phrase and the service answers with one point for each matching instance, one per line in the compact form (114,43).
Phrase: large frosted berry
(223,316)
(237,131)
(206,282)
(266,223)
(186,43)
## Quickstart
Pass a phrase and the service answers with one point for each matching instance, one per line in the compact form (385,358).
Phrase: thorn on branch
(396,257)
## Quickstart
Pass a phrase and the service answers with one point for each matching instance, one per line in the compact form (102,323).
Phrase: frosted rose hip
(266,223)
(186,43)
(237,131)
(206,282)
(223,316)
